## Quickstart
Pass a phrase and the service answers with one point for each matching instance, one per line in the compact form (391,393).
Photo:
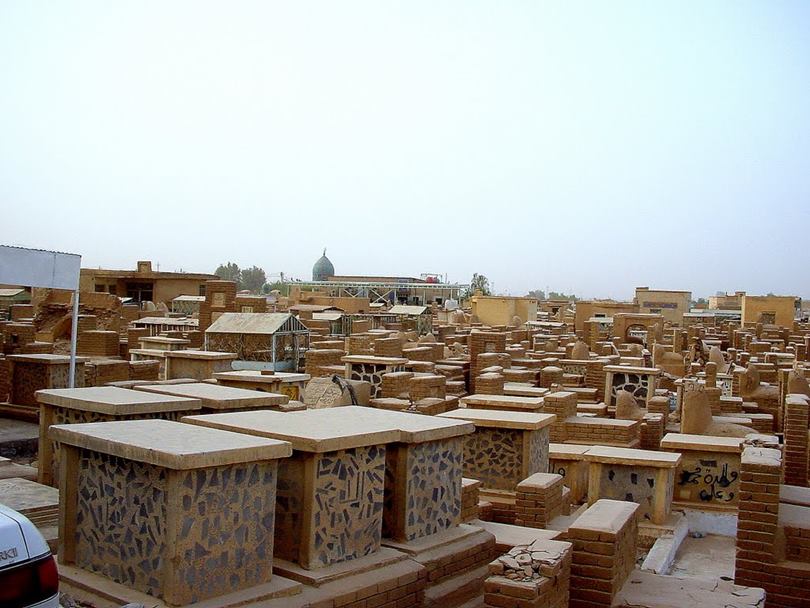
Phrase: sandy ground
(709,557)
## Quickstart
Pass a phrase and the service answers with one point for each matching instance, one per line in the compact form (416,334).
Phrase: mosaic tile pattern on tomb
(224,526)
(631,484)
(348,505)
(708,478)
(538,451)
(495,457)
(372,373)
(633,383)
(121,520)
(433,487)
(225,531)
(63,415)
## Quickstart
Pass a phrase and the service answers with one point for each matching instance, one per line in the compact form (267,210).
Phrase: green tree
(252,279)
(229,272)
(478,283)
(556,295)
(537,294)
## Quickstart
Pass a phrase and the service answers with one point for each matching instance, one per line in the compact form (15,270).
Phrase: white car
(28,575)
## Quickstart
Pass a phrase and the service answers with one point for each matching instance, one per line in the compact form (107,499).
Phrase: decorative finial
(324,252)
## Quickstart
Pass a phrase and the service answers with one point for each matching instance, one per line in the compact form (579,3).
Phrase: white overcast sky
(588,147)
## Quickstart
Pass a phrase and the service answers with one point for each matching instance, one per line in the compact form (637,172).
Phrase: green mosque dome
(323,269)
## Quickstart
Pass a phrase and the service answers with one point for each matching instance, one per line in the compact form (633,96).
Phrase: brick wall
(604,540)
(603,431)
(796,452)
(538,500)
(317,359)
(761,545)
(98,343)
(470,489)
(564,405)
(651,431)
(147,369)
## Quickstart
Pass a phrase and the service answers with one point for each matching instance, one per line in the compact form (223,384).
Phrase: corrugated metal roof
(404,309)
(255,323)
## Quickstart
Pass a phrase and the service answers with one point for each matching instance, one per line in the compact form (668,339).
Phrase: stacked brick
(396,384)
(86,323)
(408,589)
(489,384)
(595,377)
(319,361)
(388,347)
(99,373)
(483,342)
(651,431)
(429,386)
(98,343)
(220,296)
(327,344)
(5,378)
(531,576)
(251,304)
(470,489)
(563,404)
(659,405)
(761,544)
(549,375)
(597,431)
(538,500)
(360,344)
(420,353)
(604,540)
(134,335)
(361,325)
(17,335)
(21,311)
(797,421)
(37,348)
(148,369)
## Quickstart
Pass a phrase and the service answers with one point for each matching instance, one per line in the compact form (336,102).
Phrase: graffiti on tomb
(714,480)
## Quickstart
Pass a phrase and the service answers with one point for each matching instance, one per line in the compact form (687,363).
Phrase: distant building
(500,310)
(670,303)
(326,284)
(770,310)
(726,301)
(599,309)
(144,284)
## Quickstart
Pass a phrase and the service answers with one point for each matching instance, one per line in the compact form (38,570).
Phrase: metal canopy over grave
(260,340)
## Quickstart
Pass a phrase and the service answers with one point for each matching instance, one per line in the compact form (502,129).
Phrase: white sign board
(38,268)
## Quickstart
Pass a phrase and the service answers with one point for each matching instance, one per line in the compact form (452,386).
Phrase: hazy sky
(585,146)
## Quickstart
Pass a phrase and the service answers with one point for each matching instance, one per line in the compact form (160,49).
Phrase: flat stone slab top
(28,497)
(251,375)
(172,445)
(529,403)
(115,401)
(605,515)
(589,419)
(519,389)
(632,369)
(45,359)
(794,495)
(566,451)
(502,419)
(374,360)
(766,457)
(164,340)
(214,396)
(701,443)
(331,429)
(630,456)
(203,355)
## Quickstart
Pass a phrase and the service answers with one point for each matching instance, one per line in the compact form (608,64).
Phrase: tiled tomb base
(708,479)
(632,484)
(500,458)
(194,534)
(338,516)
(372,373)
(49,449)
(422,488)
(635,384)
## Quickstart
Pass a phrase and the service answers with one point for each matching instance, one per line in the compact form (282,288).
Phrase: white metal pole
(74,328)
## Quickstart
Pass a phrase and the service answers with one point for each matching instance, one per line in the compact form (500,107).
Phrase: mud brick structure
(604,552)
(201,542)
(371,369)
(651,431)
(100,372)
(797,421)
(324,362)
(220,297)
(483,342)
(772,547)
(98,343)
(146,369)
(538,500)
(284,383)
(567,461)
(98,404)
(603,431)
(31,373)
